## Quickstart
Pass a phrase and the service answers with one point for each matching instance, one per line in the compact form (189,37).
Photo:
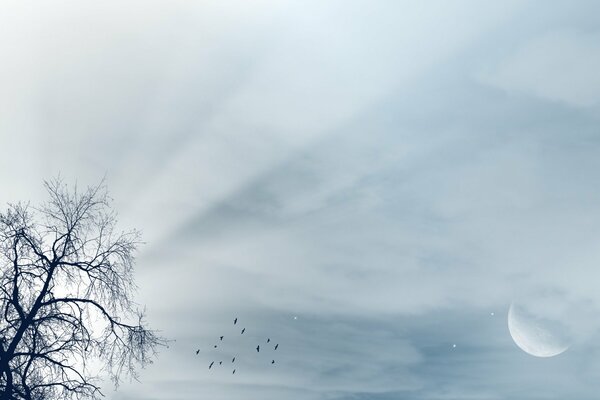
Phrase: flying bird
(233,359)
(243,330)
(215,346)
(220,362)
(235,321)
(233,371)
(197,351)
(276,346)
(273,362)
(258,348)
(268,340)
(222,337)
(211,364)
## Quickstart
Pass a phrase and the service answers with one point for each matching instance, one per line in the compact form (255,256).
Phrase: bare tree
(67,310)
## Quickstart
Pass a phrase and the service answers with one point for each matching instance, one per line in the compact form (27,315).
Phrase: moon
(535,335)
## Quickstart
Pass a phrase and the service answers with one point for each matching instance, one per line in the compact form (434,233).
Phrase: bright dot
(295,317)
(492,314)
(453,346)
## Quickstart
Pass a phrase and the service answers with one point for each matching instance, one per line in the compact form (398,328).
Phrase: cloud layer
(391,174)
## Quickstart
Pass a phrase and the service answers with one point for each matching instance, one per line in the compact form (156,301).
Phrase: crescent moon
(533,335)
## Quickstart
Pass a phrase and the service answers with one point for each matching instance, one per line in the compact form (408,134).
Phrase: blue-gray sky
(390,172)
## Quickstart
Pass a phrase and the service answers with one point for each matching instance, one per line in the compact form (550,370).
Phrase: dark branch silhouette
(66,298)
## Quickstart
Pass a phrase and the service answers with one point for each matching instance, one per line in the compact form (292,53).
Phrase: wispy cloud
(389,173)
(556,66)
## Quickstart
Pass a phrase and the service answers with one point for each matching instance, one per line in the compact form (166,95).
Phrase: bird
(258,348)
(273,362)
(211,364)
(243,330)
(222,337)
(268,340)
(197,351)
(276,346)
(233,359)
(235,321)
(233,371)
(215,346)
(220,362)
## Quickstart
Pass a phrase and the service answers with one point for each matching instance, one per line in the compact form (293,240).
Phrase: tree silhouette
(67,310)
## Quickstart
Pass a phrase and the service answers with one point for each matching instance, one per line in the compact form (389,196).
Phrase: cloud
(556,66)
(338,162)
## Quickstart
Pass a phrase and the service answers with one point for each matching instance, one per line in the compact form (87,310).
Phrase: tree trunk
(10,351)
(7,395)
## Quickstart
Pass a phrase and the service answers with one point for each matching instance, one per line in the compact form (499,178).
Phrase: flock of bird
(233,359)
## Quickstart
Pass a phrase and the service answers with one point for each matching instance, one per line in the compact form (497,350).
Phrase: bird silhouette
(233,359)
(243,330)
(258,348)
(222,337)
(276,346)
(220,362)
(211,364)
(273,362)
(215,346)
(268,340)
(197,351)
(233,371)
(235,321)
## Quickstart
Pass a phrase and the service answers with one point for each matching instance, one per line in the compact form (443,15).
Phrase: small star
(492,314)
(453,346)
(295,317)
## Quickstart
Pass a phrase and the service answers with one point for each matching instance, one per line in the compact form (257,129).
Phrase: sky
(370,184)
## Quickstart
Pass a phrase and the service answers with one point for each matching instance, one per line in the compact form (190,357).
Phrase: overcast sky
(368,183)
